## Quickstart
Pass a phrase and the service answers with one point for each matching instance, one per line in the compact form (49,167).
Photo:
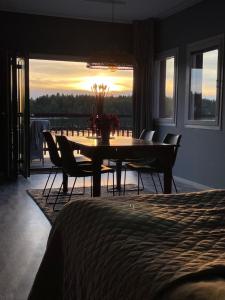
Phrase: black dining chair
(153,166)
(56,161)
(147,135)
(73,169)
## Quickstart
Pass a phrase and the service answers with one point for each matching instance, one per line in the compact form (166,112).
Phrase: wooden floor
(24,231)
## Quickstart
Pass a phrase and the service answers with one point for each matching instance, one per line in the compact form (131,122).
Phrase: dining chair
(153,166)
(73,169)
(56,161)
(147,135)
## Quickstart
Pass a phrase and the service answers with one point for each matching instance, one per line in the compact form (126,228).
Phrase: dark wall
(201,157)
(61,36)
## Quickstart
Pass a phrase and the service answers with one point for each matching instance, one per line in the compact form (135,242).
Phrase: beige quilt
(137,248)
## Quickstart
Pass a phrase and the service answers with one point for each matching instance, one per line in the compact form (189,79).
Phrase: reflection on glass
(166,90)
(203,87)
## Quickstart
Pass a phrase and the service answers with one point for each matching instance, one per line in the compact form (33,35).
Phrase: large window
(204,83)
(63,92)
(166,87)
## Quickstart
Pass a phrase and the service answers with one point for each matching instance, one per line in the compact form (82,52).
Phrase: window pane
(203,89)
(166,90)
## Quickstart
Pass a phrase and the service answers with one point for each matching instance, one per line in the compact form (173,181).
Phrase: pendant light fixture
(113,59)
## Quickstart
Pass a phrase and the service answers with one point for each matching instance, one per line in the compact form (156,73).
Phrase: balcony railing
(79,124)
(75,125)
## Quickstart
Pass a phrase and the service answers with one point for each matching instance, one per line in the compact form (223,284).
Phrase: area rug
(47,208)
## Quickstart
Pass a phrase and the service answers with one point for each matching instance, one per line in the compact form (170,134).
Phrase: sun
(106,80)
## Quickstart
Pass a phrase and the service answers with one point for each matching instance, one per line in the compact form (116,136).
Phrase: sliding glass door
(14,114)
(22,91)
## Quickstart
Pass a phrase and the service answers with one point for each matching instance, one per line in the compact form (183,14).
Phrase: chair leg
(138,189)
(83,185)
(174,184)
(142,182)
(50,189)
(72,188)
(160,182)
(124,182)
(83,189)
(113,185)
(133,189)
(107,185)
(153,180)
(91,186)
(43,193)
(56,199)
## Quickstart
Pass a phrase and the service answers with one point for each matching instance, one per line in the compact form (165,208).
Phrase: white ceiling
(99,9)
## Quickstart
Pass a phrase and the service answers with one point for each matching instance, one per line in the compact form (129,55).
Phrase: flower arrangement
(104,123)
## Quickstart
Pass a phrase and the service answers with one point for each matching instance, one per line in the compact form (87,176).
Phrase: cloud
(66,77)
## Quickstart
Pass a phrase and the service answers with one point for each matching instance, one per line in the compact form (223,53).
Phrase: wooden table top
(115,142)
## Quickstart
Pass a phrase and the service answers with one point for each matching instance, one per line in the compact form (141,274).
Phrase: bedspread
(124,248)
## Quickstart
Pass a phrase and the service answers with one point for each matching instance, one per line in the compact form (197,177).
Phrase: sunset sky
(51,77)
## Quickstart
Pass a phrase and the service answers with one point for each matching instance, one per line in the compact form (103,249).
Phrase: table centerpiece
(104,124)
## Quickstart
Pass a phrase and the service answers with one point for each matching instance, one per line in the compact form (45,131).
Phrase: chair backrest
(173,139)
(68,159)
(147,135)
(52,148)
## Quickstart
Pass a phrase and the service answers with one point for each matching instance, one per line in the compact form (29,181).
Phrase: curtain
(143,75)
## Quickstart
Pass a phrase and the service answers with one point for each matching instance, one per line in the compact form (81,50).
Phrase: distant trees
(199,109)
(80,104)
(202,108)
(167,107)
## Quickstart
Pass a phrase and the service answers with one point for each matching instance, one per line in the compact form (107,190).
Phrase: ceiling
(124,10)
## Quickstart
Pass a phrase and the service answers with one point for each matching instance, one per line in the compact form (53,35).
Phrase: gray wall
(201,157)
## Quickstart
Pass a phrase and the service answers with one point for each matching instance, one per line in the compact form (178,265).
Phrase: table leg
(118,175)
(65,183)
(168,181)
(97,177)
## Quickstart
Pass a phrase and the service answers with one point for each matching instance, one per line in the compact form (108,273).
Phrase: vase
(105,135)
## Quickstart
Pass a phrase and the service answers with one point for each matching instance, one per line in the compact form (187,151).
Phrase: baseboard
(194,184)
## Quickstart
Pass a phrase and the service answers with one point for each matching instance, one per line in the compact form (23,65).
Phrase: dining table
(120,148)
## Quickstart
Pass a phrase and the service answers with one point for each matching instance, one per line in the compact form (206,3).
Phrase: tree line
(80,104)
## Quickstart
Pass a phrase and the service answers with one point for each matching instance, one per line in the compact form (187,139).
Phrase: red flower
(104,122)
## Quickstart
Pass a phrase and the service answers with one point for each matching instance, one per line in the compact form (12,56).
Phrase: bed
(166,247)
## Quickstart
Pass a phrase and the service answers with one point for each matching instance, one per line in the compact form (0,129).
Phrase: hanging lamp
(113,59)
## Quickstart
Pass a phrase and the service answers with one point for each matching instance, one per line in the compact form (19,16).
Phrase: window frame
(159,57)
(216,42)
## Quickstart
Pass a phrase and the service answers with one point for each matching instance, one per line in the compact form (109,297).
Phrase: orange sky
(51,77)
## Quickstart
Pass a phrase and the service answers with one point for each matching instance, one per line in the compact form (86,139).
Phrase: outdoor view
(167,92)
(60,91)
(204,85)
